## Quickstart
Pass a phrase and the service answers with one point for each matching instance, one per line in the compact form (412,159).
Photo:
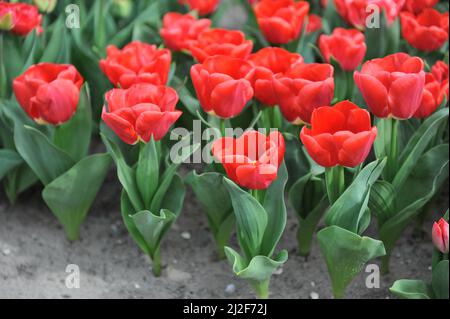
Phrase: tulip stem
(3,80)
(222,127)
(156,262)
(335,182)
(262,289)
(391,165)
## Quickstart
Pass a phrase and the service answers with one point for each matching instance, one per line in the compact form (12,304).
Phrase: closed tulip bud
(140,112)
(440,235)
(393,85)
(49,92)
(45,6)
(252,160)
(347,47)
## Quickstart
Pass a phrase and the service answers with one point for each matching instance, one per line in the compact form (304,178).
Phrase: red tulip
(221,85)
(432,97)
(268,62)
(427,32)
(19,18)
(213,42)
(314,23)
(137,62)
(140,112)
(440,73)
(393,85)
(339,135)
(180,31)
(440,235)
(281,21)
(251,161)
(346,46)
(355,12)
(49,92)
(302,89)
(417,6)
(204,7)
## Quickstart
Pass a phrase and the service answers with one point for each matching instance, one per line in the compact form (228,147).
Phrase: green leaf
(45,159)
(74,137)
(410,289)
(418,144)
(147,171)
(422,184)
(345,254)
(383,200)
(71,195)
(56,50)
(127,210)
(163,188)
(440,280)
(174,199)
(209,191)
(186,98)
(8,161)
(276,212)
(350,211)
(251,219)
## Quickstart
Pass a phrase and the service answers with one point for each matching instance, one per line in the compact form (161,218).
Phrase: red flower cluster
(204,7)
(19,18)
(49,92)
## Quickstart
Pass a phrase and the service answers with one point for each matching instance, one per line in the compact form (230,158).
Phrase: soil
(34,255)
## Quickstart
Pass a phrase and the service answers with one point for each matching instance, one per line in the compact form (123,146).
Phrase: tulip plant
(339,109)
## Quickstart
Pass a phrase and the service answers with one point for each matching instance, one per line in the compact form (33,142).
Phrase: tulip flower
(355,12)
(314,23)
(346,46)
(427,31)
(180,31)
(204,7)
(221,85)
(267,63)
(19,18)
(440,73)
(302,89)
(281,21)
(393,85)
(251,161)
(49,92)
(432,97)
(213,42)
(140,112)
(440,235)
(417,6)
(339,135)
(136,62)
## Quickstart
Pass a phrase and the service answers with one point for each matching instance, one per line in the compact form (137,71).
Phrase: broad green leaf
(127,210)
(382,200)
(345,254)
(147,171)
(74,137)
(440,280)
(56,48)
(410,289)
(174,199)
(251,219)
(8,161)
(163,188)
(45,159)
(71,195)
(350,211)
(276,212)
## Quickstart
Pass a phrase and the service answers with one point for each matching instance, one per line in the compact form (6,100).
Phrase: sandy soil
(34,255)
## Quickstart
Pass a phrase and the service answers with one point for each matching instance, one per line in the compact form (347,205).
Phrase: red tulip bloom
(140,112)
(180,31)
(204,7)
(440,235)
(314,23)
(347,47)
(213,42)
(49,92)
(251,161)
(427,32)
(339,135)
(393,85)
(19,18)
(302,89)
(417,6)
(440,73)
(355,12)
(281,21)
(221,85)
(432,97)
(268,62)
(137,62)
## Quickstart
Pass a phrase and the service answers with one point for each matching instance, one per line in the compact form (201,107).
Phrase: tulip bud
(6,21)
(45,6)
(440,235)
